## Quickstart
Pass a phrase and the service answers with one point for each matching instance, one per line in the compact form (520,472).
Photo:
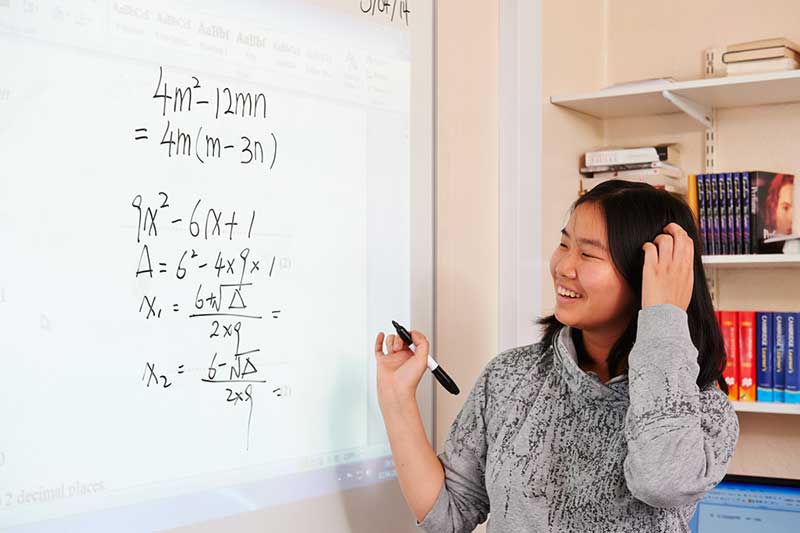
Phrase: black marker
(446,381)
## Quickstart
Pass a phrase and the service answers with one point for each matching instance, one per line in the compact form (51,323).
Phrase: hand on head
(668,272)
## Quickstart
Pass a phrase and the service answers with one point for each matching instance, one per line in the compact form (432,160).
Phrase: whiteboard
(207,212)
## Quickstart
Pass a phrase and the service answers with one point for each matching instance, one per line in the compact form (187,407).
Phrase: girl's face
(582,263)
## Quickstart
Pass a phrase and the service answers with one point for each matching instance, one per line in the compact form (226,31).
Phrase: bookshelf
(767,407)
(699,99)
(752,261)
(702,95)
(721,124)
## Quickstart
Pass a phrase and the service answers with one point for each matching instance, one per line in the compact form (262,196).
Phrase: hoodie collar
(583,383)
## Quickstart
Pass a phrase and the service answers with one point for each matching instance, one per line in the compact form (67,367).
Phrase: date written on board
(391,9)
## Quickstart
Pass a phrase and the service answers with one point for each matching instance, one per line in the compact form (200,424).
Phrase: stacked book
(656,165)
(744,212)
(762,356)
(768,55)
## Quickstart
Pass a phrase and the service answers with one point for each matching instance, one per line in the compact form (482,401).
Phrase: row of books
(762,357)
(657,165)
(745,212)
(739,212)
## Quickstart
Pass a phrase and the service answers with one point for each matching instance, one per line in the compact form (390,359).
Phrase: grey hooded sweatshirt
(547,447)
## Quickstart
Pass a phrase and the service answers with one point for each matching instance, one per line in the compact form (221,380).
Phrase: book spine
(701,211)
(722,217)
(608,168)
(747,356)
(729,335)
(753,213)
(715,190)
(779,357)
(730,233)
(642,172)
(764,348)
(691,198)
(746,213)
(792,394)
(622,157)
(727,213)
(737,212)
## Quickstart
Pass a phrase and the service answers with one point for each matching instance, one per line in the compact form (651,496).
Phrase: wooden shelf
(753,261)
(717,93)
(767,407)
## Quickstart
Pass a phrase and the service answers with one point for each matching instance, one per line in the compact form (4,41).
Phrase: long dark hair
(636,213)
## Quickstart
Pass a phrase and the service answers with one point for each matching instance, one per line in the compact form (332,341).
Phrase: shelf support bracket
(699,112)
(712,281)
(710,144)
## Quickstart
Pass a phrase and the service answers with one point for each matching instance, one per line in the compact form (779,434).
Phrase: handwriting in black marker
(204,146)
(387,8)
(147,267)
(150,376)
(223,282)
(148,305)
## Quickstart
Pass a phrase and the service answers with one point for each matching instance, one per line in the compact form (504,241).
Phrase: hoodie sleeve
(680,438)
(463,502)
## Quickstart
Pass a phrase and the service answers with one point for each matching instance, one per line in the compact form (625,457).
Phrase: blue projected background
(741,505)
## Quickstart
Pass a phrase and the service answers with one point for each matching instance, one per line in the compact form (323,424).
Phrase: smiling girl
(617,420)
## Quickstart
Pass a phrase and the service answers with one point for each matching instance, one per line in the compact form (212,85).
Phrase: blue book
(722,197)
(779,358)
(716,250)
(737,213)
(764,349)
(746,212)
(701,212)
(729,234)
(792,394)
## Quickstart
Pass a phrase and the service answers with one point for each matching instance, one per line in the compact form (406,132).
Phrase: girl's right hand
(400,370)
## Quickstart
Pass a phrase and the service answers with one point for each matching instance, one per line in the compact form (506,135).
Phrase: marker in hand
(441,376)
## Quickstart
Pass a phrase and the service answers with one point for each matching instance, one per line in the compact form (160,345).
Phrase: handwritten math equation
(201,143)
(217,286)
(390,9)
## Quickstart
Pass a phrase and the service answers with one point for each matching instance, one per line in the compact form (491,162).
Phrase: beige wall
(466,196)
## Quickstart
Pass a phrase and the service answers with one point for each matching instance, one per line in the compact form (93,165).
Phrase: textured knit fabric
(548,447)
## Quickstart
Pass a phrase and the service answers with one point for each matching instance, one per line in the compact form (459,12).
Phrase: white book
(763,65)
(677,186)
(633,166)
(644,172)
(626,156)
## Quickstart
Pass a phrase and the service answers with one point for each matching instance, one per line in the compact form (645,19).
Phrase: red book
(747,356)
(730,334)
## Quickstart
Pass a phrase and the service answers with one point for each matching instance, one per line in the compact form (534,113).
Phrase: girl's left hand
(668,274)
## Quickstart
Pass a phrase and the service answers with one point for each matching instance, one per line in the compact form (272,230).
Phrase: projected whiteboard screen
(207,212)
